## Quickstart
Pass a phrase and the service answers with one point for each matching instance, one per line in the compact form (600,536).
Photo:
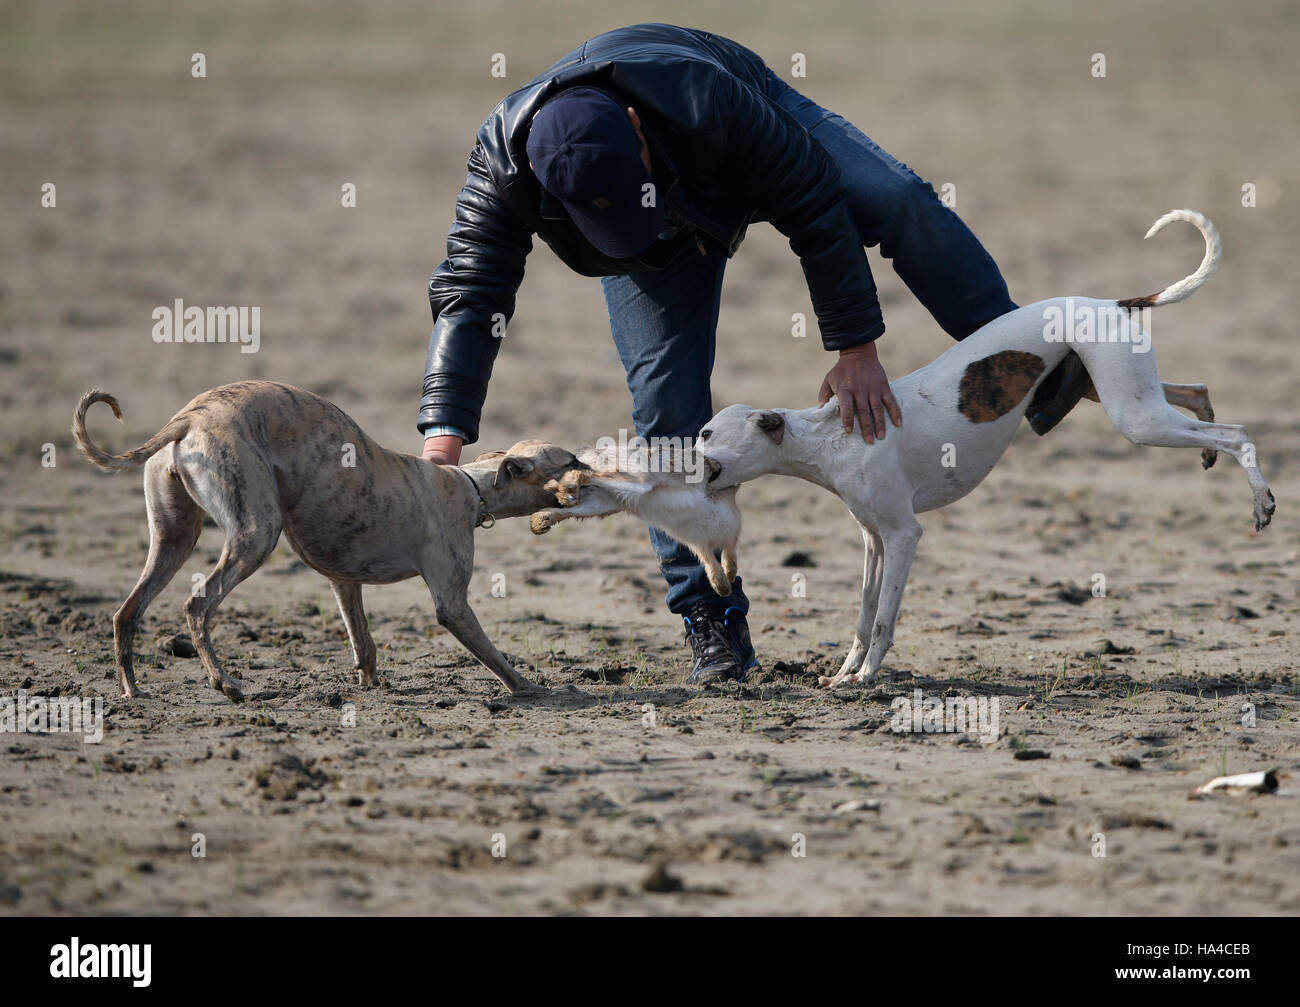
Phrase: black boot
(719,643)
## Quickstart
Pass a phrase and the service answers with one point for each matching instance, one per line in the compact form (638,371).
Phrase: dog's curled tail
(173,431)
(1188,285)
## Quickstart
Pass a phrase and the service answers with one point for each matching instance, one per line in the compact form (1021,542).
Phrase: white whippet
(960,412)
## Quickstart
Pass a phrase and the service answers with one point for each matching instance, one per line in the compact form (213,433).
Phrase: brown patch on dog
(1145,301)
(992,387)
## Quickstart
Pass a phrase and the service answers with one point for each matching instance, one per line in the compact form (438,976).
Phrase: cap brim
(619,234)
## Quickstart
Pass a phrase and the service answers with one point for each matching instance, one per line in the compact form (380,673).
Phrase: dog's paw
(233,689)
(569,692)
(541,522)
(1208,458)
(136,693)
(367,680)
(850,677)
(853,661)
(564,491)
(1264,511)
(555,488)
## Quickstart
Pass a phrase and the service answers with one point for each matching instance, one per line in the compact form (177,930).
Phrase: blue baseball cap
(586,154)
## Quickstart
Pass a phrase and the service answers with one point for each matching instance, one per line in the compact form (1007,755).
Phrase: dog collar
(486,519)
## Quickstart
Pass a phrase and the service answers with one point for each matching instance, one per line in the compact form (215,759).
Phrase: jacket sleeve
(472,295)
(785,173)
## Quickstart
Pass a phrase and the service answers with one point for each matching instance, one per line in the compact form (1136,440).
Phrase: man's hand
(863,390)
(442,450)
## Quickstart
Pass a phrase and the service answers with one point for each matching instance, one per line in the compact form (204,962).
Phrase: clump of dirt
(286,776)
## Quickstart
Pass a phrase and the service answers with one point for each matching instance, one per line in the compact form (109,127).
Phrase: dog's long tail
(177,428)
(1188,285)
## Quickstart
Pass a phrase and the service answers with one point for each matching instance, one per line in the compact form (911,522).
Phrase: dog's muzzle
(714,467)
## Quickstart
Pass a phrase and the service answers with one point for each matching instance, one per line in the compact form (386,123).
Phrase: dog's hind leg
(1197,399)
(237,486)
(729,536)
(245,550)
(872,567)
(1158,424)
(730,561)
(348,595)
(174,524)
(718,579)
(1236,441)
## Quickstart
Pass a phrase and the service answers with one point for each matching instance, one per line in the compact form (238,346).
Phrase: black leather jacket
(726,154)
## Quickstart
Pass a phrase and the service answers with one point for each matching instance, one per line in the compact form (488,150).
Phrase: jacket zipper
(695,226)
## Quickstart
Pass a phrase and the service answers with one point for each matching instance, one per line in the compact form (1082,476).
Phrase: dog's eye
(704,434)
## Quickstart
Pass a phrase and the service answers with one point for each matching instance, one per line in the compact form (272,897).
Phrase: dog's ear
(489,455)
(772,424)
(512,467)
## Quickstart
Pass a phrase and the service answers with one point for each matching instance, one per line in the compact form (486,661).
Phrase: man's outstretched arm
(472,296)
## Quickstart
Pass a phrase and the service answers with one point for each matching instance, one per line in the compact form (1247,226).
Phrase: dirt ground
(318,798)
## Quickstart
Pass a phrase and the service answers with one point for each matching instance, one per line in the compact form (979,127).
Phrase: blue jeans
(664,323)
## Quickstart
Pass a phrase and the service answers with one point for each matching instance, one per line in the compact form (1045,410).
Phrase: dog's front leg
(594,503)
(900,548)
(872,567)
(455,616)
